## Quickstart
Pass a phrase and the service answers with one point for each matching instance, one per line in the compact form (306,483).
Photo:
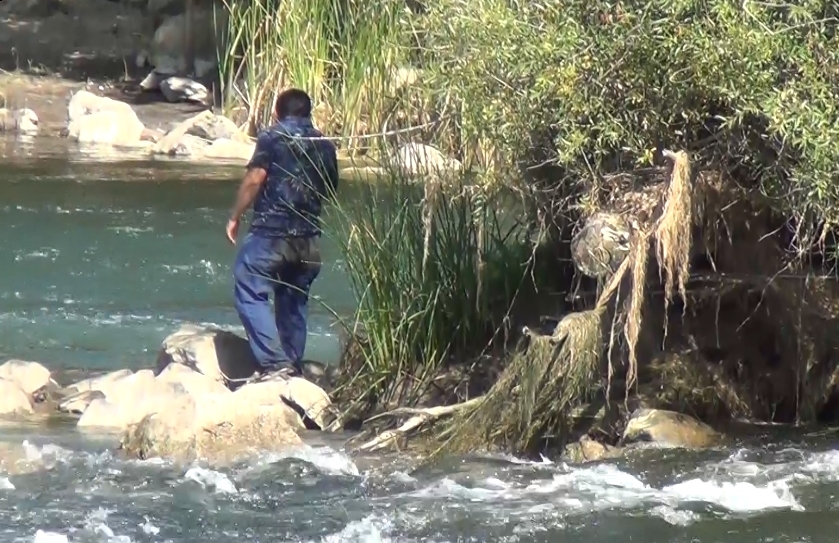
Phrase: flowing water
(102,259)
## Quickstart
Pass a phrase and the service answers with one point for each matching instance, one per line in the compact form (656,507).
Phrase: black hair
(294,103)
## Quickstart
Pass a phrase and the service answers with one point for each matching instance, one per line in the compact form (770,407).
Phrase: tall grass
(342,52)
(415,318)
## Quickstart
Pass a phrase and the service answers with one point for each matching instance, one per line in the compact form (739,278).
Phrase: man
(291,172)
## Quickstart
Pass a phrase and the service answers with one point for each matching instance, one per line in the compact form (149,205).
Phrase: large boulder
(206,135)
(101,120)
(218,354)
(30,377)
(669,429)
(13,400)
(218,429)
(601,245)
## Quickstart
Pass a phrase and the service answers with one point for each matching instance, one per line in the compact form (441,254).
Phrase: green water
(101,260)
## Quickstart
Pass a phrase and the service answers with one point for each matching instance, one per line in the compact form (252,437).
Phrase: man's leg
(291,296)
(253,273)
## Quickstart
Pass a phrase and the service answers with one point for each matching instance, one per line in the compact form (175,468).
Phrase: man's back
(301,171)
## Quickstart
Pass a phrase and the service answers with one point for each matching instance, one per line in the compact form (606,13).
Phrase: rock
(419,159)
(21,121)
(168,55)
(304,396)
(85,102)
(182,89)
(78,403)
(13,400)
(226,149)
(153,81)
(100,120)
(601,245)
(100,382)
(30,377)
(217,127)
(179,141)
(218,430)
(589,450)
(132,398)
(670,429)
(218,353)
(107,127)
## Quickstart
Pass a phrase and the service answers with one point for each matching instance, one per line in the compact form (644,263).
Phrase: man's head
(293,103)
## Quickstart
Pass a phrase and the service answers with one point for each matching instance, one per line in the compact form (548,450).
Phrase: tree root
(418,418)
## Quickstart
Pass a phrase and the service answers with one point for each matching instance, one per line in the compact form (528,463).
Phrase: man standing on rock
(293,169)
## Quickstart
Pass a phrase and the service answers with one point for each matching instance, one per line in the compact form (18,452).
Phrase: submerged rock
(589,450)
(669,429)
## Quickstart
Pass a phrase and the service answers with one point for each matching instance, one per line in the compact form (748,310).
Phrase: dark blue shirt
(301,173)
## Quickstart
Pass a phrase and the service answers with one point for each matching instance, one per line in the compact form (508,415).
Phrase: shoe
(262,375)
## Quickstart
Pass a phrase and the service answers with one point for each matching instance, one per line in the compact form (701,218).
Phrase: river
(102,259)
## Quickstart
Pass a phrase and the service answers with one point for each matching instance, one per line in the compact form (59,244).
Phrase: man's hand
(232,230)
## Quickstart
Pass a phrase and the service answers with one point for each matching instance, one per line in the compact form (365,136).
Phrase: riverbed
(103,258)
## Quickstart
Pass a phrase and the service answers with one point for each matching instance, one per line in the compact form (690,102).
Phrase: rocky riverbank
(189,406)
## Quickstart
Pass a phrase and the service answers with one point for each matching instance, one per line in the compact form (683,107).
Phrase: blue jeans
(286,269)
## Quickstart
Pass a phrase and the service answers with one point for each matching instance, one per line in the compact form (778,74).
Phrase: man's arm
(249,188)
(247,191)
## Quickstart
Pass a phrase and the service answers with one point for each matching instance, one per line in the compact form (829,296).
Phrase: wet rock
(182,89)
(669,429)
(216,353)
(21,121)
(601,245)
(13,400)
(178,140)
(589,450)
(222,355)
(219,430)
(309,401)
(101,120)
(419,159)
(128,400)
(78,403)
(100,382)
(217,127)
(30,377)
